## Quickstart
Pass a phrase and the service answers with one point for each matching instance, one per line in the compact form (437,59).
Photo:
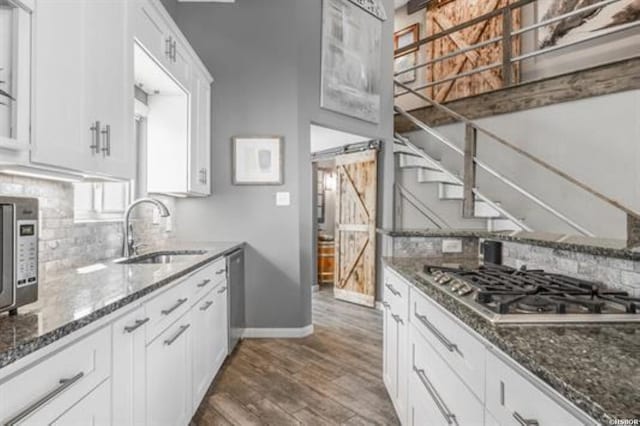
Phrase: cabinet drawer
(208,277)
(396,293)
(462,351)
(437,395)
(50,387)
(514,400)
(169,306)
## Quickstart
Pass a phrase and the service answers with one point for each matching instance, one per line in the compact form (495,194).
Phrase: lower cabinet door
(220,327)
(94,409)
(438,396)
(168,390)
(203,346)
(390,352)
(128,374)
(401,400)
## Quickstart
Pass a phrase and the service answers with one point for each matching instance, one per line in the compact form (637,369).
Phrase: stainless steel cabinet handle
(106,147)
(222,290)
(221,271)
(448,415)
(524,422)
(167,47)
(397,318)
(173,51)
(64,384)
(203,176)
(203,283)
(206,306)
(137,325)
(183,328)
(452,347)
(386,304)
(95,137)
(174,307)
(392,289)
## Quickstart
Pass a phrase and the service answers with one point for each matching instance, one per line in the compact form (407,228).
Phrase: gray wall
(594,140)
(265,58)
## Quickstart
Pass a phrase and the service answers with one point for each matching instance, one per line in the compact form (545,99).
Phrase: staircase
(450,187)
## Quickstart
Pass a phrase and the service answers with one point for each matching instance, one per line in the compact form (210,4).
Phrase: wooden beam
(633,231)
(597,81)
(507,45)
(469,179)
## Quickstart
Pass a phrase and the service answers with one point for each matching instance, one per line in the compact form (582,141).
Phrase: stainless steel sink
(159,257)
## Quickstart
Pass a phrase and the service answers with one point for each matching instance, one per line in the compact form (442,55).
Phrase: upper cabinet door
(200,146)
(151,31)
(15,68)
(109,85)
(62,134)
(84,87)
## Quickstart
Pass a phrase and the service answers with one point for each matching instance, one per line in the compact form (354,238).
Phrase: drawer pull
(452,347)
(174,307)
(448,416)
(386,305)
(64,384)
(138,324)
(392,289)
(206,306)
(221,271)
(222,290)
(524,422)
(397,318)
(183,328)
(204,283)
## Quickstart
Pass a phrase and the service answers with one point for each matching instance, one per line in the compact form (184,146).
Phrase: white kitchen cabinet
(83,87)
(200,144)
(15,70)
(511,399)
(203,346)
(44,391)
(93,409)
(128,374)
(220,327)
(169,375)
(395,345)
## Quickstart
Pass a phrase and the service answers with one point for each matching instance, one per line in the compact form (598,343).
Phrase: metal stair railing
(419,152)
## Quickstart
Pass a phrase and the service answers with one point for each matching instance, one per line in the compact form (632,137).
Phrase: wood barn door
(356,196)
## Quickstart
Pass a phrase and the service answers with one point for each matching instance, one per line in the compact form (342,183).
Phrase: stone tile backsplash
(65,244)
(614,273)
(431,247)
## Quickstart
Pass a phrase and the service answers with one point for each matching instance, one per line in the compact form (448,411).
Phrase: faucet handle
(136,247)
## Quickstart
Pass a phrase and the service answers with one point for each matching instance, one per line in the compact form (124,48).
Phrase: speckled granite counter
(594,246)
(71,301)
(597,367)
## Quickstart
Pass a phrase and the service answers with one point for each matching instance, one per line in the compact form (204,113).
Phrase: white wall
(324,138)
(595,140)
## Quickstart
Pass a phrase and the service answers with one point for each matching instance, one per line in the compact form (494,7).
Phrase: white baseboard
(277,333)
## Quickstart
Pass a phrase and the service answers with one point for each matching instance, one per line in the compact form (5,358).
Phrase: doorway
(345,196)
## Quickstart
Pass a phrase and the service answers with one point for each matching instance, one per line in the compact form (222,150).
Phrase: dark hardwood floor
(333,377)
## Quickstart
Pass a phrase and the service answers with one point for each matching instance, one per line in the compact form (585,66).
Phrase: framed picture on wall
(402,38)
(257,160)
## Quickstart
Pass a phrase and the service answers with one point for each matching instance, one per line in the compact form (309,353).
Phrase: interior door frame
(373,144)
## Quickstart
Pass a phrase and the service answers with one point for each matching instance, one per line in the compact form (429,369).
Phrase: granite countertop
(596,367)
(595,246)
(70,301)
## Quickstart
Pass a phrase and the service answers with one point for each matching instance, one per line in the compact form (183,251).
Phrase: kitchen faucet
(128,245)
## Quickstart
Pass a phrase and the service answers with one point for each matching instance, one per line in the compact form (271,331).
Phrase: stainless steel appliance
(18,252)
(235,271)
(505,295)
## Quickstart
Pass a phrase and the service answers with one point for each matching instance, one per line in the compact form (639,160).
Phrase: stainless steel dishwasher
(235,271)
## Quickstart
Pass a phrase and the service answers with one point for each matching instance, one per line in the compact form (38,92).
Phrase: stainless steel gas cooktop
(506,295)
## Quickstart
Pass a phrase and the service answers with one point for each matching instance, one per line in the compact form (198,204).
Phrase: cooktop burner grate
(506,290)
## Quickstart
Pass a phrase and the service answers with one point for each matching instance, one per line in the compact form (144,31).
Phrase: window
(100,201)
